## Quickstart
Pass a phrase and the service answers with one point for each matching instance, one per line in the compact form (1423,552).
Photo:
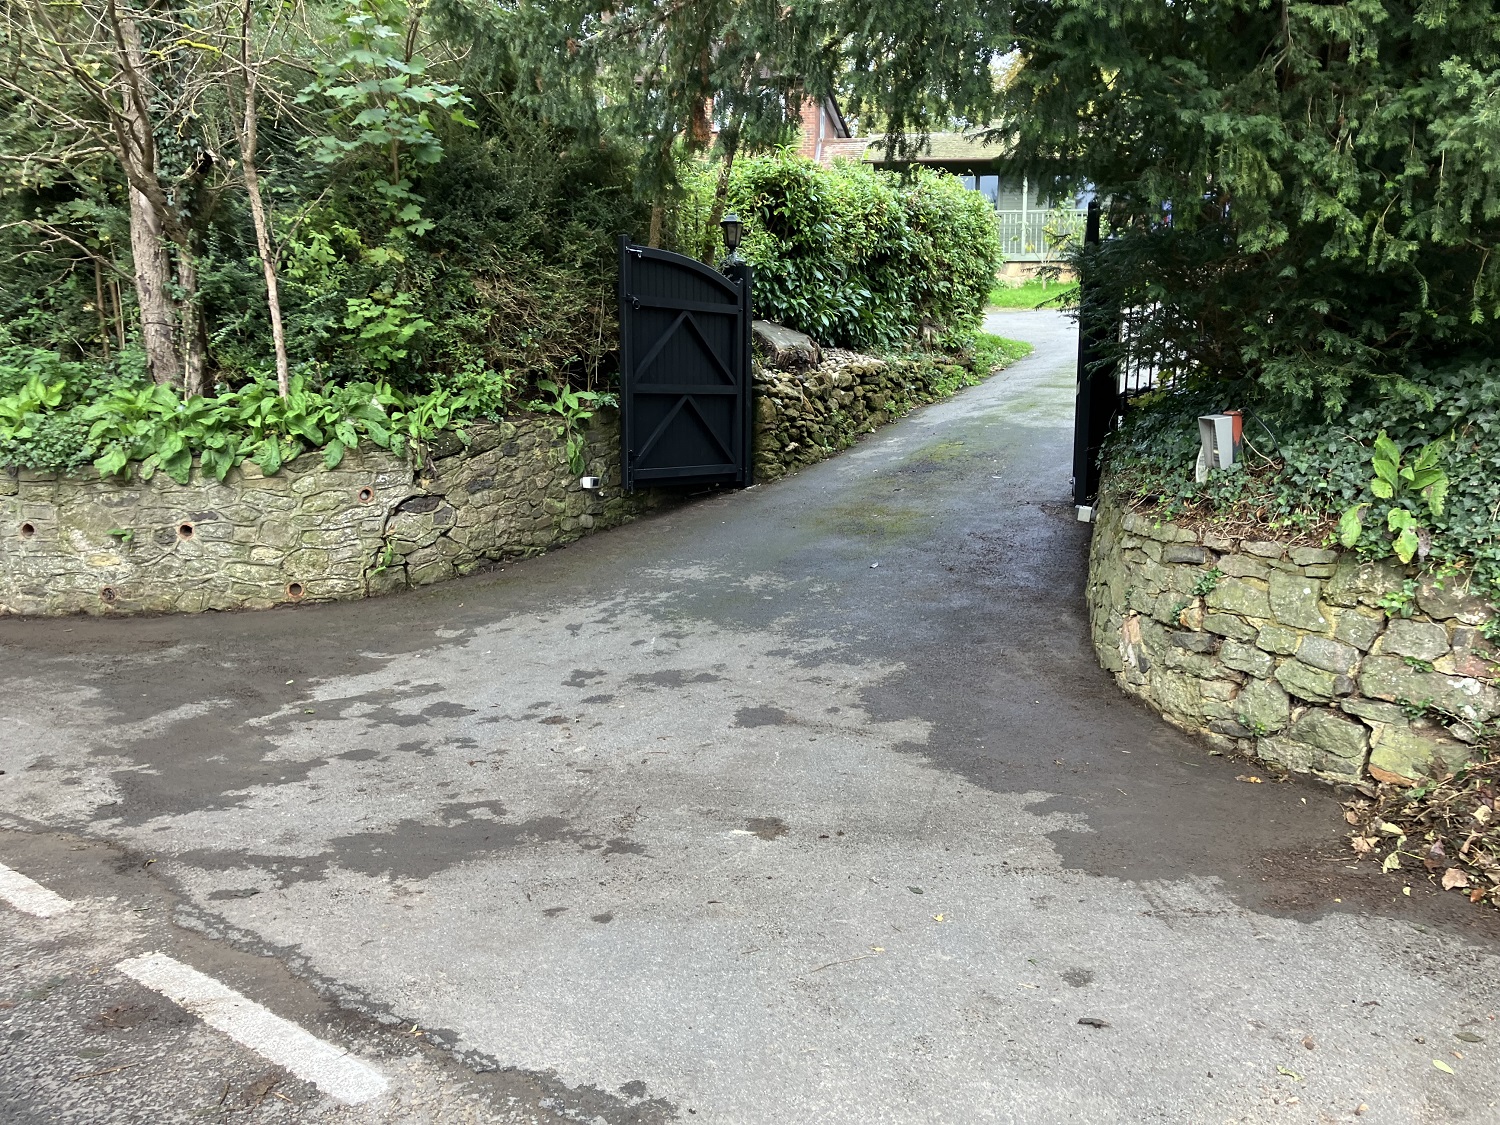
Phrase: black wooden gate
(684,369)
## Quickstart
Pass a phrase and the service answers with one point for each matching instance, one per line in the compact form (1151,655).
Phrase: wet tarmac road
(807,803)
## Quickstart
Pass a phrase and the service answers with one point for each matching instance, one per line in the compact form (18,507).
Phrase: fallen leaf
(1441,1065)
(1361,1109)
(1092,1021)
(1392,862)
(1308,1043)
(1289,1073)
(915,890)
(1468,1036)
(1406,891)
(1364,845)
(1351,816)
(1455,877)
(937,917)
(1251,778)
(1476,894)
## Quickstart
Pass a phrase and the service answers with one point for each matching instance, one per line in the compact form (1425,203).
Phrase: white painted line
(330,1069)
(29,896)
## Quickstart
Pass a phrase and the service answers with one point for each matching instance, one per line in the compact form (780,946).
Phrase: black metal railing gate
(684,369)
(1112,369)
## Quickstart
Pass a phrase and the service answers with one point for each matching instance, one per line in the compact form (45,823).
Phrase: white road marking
(332,1070)
(30,896)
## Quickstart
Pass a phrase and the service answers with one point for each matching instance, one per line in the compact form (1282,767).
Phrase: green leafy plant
(1207,582)
(384,324)
(154,427)
(382,103)
(1402,602)
(573,407)
(1404,483)
(18,411)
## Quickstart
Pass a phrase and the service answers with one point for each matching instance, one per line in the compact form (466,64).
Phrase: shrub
(862,258)
(1306,196)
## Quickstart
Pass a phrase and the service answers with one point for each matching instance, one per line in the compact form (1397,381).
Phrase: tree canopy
(1306,196)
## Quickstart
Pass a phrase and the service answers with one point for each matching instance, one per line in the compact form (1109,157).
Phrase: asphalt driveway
(802,804)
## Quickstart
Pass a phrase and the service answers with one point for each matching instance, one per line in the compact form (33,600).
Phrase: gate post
(1098,396)
(738,271)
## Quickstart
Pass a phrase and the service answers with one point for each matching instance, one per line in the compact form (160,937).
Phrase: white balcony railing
(1039,235)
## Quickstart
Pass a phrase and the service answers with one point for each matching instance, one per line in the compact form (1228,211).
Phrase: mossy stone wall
(376,523)
(379,522)
(1309,659)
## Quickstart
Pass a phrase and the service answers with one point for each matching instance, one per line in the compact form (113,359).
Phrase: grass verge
(1034,294)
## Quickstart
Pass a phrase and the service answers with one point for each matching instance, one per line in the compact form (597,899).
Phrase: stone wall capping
(1240,566)
(1290,657)
(1263,548)
(1215,542)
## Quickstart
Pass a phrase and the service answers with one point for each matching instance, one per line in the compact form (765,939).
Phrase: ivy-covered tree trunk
(153,278)
(194,328)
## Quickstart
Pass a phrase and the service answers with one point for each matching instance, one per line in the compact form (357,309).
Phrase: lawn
(1033,294)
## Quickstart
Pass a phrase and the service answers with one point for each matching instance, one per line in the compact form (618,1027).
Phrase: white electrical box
(1219,438)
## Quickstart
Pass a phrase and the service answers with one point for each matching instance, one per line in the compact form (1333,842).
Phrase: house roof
(943,148)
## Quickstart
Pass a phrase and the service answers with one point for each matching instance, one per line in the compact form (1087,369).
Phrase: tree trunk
(152,279)
(249,133)
(194,328)
(148,243)
(268,267)
(654,238)
(114,289)
(730,138)
(99,308)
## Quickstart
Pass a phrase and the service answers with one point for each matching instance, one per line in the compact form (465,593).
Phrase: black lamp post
(733,228)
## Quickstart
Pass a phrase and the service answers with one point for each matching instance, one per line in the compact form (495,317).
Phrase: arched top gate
(684,370)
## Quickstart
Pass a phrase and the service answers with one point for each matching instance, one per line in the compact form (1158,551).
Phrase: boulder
(784,348)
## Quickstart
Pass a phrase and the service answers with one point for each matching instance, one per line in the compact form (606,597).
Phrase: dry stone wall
(307,533)
(380,523)
(1309,659)
(804,414)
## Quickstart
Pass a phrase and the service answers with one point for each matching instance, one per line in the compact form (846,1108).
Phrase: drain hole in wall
(108,594)
(366,495)
(294,590)
(27,530)
(185,531)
